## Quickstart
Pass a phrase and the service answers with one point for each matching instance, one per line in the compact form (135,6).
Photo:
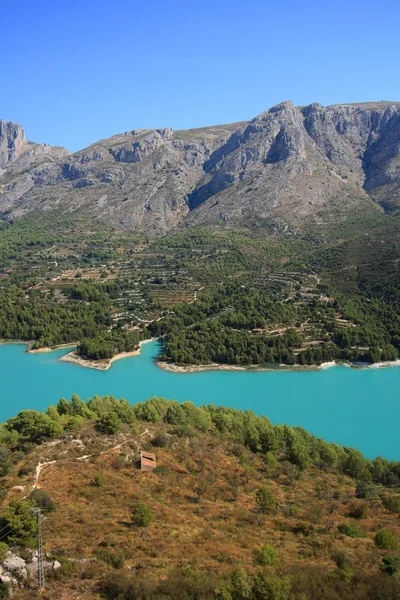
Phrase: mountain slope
(17,154)
(296,168)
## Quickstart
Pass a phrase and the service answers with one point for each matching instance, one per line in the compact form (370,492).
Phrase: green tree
(5,461)
(3,551)
(19,523)
(265,501)
(141,514)
(266,556)
(4,590)
(271,587)
(42,499)
(108,423)
(358,509)
(160,440)
(351,530)
(34,426)
(385,540)
(391,503)
(390,564)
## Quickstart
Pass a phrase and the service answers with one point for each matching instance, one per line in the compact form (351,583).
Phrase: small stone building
(147,461)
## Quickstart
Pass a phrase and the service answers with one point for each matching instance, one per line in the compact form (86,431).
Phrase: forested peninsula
(216,298)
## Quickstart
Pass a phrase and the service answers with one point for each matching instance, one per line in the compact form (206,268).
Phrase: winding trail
(41,466)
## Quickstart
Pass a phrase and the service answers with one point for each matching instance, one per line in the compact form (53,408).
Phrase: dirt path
(41,466)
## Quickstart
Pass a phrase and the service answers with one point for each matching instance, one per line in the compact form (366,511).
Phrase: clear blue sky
(75,71)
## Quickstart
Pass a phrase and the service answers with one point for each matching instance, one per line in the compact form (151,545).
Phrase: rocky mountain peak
(289,165)
(12,141)
(16,153)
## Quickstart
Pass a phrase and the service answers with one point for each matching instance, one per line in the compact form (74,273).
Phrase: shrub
(390,564)
(3,551)
(108,423)
(26,468)
(162,470)
(141,515)
(351,530)
(365,490)
(385,540)
(391,503)
(4,590)
(342,560)
(5,462)
(160,440)
(114,559)
(266,556)
(265,501)
(303,528)
(271,587)
(42,499)
(358,510)
(98,480)
(18,523)
(33,426)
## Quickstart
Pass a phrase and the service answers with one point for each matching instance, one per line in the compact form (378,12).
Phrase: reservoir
(353,407)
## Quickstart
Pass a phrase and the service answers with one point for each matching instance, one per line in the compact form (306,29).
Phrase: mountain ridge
(292,167)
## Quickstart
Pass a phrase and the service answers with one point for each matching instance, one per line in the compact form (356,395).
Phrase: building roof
(147,459)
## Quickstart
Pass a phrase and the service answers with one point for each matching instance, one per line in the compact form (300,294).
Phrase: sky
(76,71)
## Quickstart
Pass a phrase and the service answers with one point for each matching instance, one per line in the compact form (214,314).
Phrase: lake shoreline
(314,400)
(174,368)
(105,364)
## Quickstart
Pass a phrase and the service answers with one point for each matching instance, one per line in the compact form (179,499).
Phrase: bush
(358,510)
(114,559)
(5,462)
(266,556)
(391,503)
(390,564)
(303,528)
(98,480)
(367,491)
(141,515)
(160,440)
(42,499)
(33,426)
(351,530)
(3,551)
(385,540)
(342,560)
(27,468)
(108,423)
(4,590)
(271,587)
(18,523)
(162,470)
(265,501)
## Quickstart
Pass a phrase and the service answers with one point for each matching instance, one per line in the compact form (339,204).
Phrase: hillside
(313,531)
(289,169)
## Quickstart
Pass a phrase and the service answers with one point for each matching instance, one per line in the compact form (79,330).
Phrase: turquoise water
(359,408)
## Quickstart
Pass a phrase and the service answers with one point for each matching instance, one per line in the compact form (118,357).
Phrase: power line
(14,528)
(40,516)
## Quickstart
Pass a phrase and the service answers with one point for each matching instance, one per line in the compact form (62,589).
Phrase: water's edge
(354,407)
(103,365)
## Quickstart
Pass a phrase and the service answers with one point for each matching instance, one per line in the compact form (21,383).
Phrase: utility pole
(40,517)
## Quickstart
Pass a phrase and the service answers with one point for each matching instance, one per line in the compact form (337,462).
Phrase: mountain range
(290,168)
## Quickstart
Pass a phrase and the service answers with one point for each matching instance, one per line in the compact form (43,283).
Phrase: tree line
(281,442)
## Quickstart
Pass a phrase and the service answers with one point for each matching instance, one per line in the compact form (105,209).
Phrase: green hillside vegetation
(262,298)
(267,511)
(243,326)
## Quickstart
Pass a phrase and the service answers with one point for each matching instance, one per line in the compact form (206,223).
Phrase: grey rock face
(12,141)
(289,165)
